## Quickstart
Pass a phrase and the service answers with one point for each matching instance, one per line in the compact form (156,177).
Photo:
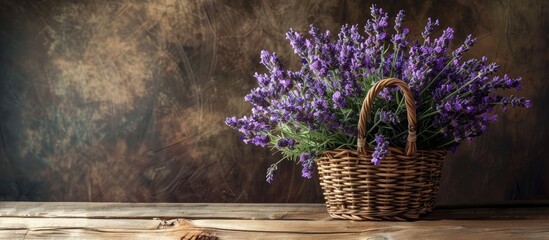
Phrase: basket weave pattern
(399,188)
(403,186)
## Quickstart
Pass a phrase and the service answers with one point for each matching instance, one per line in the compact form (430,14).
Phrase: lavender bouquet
(305,112)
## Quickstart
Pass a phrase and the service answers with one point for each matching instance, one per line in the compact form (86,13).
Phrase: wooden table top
(80,220)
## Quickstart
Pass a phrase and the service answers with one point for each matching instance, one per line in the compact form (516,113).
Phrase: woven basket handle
(410,109)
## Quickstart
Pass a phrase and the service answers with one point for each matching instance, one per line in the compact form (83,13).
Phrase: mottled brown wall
(125,100)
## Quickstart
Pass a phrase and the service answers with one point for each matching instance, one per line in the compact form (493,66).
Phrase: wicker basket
(402,187)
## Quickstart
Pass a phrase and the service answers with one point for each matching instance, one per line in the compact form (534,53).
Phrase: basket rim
(395,150)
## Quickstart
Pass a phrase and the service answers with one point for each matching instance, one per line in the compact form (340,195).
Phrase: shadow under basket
(400,188)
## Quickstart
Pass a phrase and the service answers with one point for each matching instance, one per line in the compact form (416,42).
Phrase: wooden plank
(13,234)
(275,229)
(453,234)
(245,211)
(265,229)
(32,220)
(89,234)
(175,229)
(163,210)
(113,234)
(342,226)
(230,235)
(443,229)
(31,223)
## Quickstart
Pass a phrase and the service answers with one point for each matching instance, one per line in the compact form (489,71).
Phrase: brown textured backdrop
(125,100)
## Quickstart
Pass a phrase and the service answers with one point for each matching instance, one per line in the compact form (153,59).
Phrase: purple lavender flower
(429,28)
(285,143)
(380,150)
(389,117)
(271,173)
(469,41)
(527,103)
(513,101)
(398,20)
(260,140)
(458,106)
(271,61)
(298,43)
(231,122)
(448,106)
(307,161)
(339,101)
